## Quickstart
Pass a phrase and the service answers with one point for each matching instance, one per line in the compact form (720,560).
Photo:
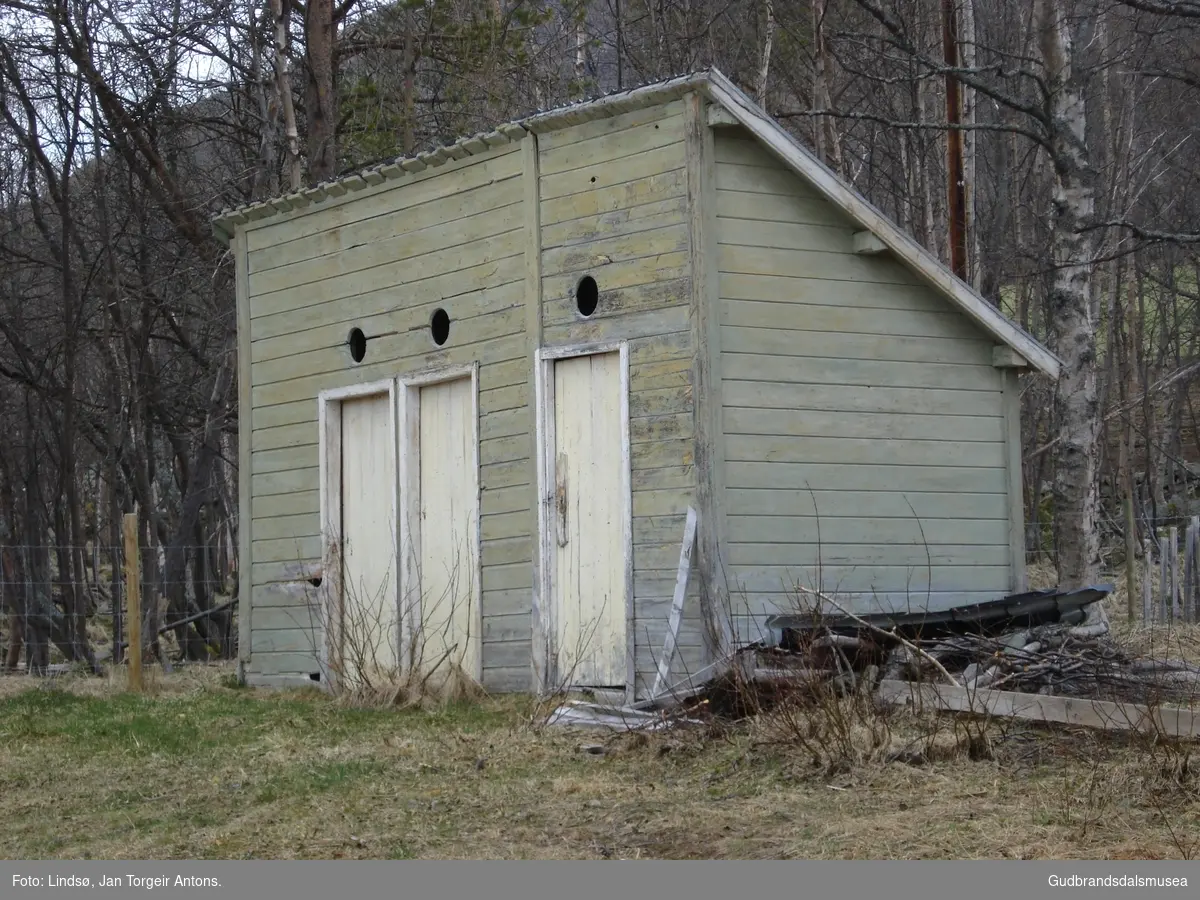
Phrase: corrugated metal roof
(511,132)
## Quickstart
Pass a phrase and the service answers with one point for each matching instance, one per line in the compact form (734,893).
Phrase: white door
(370,635)
(448,535)
(589,587)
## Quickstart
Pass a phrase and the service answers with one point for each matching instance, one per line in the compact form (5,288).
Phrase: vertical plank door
(370,612)
(589,565)
(448,551)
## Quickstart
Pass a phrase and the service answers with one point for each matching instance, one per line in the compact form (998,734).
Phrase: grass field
(199,768)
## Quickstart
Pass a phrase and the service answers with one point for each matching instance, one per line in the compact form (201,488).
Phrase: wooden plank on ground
(1105,715)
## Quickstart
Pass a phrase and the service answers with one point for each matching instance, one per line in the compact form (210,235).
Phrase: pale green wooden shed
(481,389)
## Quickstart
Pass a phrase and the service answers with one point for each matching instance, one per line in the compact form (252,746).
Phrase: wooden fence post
(1164,556)
(133,593)
(1190,599)
(1173,608)
(1130,559)
(1147,575)
(1189,562)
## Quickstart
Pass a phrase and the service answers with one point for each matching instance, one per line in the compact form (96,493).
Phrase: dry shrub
(835,723)
(378,667)
(449,685)
(374,666)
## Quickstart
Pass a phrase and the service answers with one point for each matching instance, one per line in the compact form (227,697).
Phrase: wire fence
(1156,572)
(1174,556)
(65,608)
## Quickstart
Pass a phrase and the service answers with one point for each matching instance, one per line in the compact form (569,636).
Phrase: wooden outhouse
(481,389)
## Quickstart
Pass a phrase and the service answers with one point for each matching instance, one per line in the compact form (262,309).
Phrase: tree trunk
(1071,308)
(408,137)
(265,181)
(281,10)
(11,578)
(764,60)
(956,200)
(195,495)
(970,143)
(922,164)
(825,136)
(581,46)
(321,104)
(114,555)
(620,24)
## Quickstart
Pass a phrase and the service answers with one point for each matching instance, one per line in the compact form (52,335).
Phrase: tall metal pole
(957,198)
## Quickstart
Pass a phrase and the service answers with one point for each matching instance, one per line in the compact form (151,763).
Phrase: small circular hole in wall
(587,295)
(358,344)
(439,326)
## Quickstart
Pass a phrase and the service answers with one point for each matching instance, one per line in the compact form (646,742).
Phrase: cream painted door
(588,532)
(448,554)
(370,611)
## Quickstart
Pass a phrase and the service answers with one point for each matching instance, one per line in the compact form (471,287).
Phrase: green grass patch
(217,772)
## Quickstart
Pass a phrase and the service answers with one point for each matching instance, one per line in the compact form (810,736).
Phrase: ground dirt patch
(199,768)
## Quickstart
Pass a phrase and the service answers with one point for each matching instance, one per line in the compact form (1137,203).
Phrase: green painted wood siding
(864,423)
(383,260)
(614,206)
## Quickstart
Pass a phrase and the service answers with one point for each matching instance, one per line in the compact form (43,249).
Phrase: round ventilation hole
(587,295)
(439,326)
(358,344)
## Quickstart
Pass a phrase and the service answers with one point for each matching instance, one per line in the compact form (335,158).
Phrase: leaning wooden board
(1103,714)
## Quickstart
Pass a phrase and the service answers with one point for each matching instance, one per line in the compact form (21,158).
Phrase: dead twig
(884,632)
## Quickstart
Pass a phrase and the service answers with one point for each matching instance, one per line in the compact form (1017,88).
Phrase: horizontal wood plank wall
(614,206)
(383,262)
(864,422)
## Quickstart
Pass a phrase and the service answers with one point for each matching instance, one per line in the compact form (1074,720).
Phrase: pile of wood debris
(1036,643)
(1049,659)
(1037,655)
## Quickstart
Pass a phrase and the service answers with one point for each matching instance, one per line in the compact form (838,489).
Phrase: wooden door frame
(408,413)
(329,465)
(545,670)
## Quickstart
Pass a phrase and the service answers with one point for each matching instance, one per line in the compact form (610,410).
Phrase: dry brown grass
(449,685)
(1159,640)
(201,769)
(189,680)
(1040,575)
